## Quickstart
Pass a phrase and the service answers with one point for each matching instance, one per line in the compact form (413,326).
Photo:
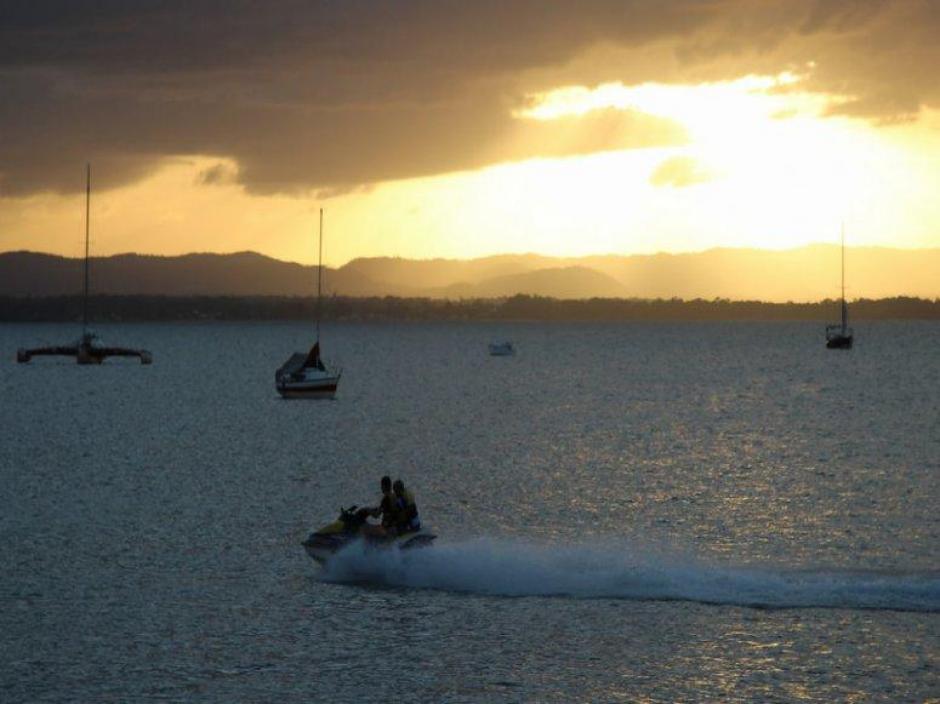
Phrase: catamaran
(839,337)
(304,374)
(85,350)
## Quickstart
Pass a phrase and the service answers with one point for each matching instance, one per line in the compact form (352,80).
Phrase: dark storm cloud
(333,95)
(116,35)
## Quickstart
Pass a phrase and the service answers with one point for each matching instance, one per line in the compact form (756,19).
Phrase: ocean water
(626,512)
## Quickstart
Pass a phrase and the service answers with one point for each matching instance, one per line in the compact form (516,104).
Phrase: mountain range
(804,274)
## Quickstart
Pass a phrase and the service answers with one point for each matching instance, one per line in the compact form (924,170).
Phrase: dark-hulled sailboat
(84,349)
(304,375)
(839,337)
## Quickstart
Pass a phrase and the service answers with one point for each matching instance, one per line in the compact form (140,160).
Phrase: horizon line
(660,253)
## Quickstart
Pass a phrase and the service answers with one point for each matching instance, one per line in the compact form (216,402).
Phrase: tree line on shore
(109,308)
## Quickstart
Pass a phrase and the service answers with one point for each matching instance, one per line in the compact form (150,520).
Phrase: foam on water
(509,568)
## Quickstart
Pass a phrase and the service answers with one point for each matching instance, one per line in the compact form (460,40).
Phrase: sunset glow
(754,180)
(767,159)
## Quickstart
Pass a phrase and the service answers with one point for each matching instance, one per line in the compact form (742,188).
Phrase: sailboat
(839,337)
(304,375)
(85,350)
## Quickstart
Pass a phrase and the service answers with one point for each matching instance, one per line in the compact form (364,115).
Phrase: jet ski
(326,541)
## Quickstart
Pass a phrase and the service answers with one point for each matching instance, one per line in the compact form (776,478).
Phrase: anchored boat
(840,337)
(304,374)
(85,350)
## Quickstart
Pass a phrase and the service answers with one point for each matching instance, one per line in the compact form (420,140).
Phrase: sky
(443,128)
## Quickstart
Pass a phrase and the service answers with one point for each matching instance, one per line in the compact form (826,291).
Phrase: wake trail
(517,569)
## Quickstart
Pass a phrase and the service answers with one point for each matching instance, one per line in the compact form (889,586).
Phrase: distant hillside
(403,274)
(573,282)
(241,274)
(805,274)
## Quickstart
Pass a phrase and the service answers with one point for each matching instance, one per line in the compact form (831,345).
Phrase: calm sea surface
(632,512)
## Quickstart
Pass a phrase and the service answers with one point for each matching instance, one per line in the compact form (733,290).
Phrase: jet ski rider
(407,520)
(387,509)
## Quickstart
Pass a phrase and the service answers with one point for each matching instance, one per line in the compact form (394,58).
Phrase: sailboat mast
(843,262)
(87,218)
(320,277)
(845,312)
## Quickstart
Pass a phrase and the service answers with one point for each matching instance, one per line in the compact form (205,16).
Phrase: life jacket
(408,511)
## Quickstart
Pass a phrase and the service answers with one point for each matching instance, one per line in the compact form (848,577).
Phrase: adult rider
(387,509)
(406,520)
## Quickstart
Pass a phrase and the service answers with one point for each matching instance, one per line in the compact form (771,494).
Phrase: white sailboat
(840,337)
(304,375)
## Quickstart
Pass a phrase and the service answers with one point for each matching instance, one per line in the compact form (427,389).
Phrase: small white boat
(304,375)
(502,349)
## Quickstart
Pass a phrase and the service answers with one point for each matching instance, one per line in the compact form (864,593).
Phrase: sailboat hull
(88,359)
(839,342)
(839,337)
(323,388)
(84,353)
(305,376)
